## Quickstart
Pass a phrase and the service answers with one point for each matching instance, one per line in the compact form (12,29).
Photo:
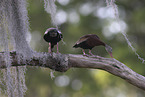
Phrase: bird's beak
(111,55)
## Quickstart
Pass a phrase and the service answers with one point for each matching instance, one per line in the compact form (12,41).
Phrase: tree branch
(62,62)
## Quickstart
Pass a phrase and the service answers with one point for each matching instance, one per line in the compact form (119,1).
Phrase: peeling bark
(63,62)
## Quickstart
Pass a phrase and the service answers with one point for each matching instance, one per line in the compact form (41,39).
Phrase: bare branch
(62,62)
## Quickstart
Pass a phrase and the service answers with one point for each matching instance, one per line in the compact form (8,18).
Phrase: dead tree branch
(62,62)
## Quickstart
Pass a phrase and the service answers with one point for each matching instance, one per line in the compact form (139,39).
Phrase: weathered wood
(63,62)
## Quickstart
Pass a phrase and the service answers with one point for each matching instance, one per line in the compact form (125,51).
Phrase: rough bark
(63,62)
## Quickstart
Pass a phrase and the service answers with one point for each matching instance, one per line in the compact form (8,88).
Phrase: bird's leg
(92,55)
(57,48)
(84,54)
(49,48)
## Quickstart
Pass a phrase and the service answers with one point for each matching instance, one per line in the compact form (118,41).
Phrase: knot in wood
(59,62)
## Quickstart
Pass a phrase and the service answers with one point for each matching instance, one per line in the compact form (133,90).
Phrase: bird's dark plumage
(89,41)
(53,36)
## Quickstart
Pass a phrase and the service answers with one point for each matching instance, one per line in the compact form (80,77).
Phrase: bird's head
(53,32)
(109,50)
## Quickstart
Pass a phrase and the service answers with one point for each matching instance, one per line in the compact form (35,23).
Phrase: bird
(89,41)
(52,36)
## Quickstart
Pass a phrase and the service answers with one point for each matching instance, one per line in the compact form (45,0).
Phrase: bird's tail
(75,46)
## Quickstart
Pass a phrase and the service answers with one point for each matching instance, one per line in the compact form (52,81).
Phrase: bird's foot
(93,56)
(58,52)
(86,55)
(51,53)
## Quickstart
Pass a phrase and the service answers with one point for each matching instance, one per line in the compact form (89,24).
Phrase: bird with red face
(52,36)
(90,41)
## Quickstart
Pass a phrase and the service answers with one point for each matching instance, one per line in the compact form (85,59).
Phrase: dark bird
(52,36)
(89,41)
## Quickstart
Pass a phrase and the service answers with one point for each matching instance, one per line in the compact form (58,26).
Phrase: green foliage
(90,83)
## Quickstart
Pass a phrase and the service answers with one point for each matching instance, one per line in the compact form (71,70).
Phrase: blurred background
(77,18)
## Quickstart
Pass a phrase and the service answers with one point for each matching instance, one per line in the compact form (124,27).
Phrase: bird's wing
(82,39)
(94,40)
(92,36)
(97,36)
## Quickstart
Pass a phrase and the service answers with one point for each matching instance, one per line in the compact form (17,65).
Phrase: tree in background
(76,18)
